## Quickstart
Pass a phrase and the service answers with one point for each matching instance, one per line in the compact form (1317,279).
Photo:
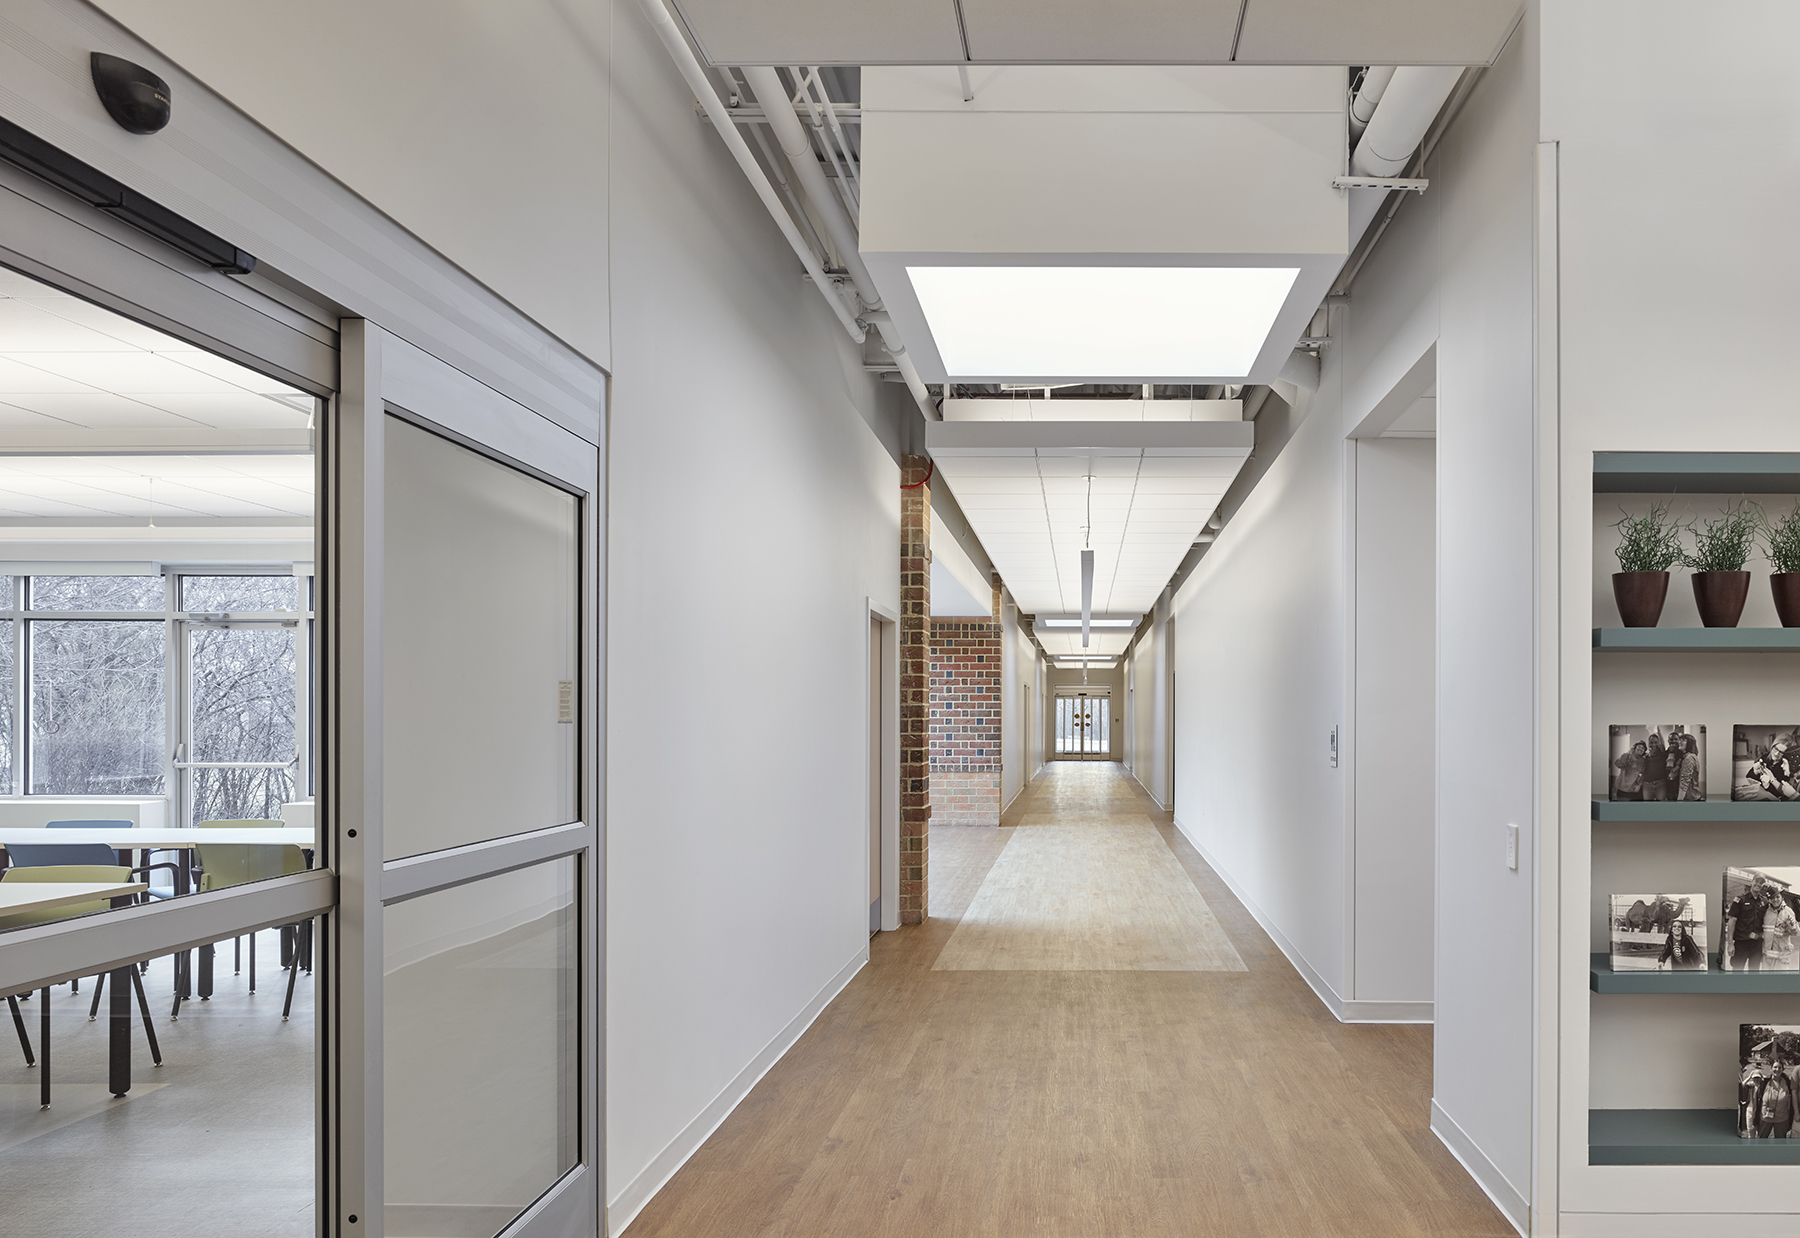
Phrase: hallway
(994,1073)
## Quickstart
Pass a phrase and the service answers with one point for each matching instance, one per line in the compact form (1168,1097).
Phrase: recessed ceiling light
(1101,322)
(1095,623)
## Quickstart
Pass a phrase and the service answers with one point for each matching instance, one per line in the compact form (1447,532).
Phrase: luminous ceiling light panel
(1095,623)
(1101,322)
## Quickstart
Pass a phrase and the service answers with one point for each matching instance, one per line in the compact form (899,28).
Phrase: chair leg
(293,975)
(237,955)
(12,1004)
(75,985)
(99,986)
(149,1028)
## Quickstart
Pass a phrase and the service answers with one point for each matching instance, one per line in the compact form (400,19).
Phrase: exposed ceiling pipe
(683,56)
(1409,102)
(1368,94)
(797,145)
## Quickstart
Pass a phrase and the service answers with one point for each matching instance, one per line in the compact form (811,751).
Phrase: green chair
(114,873)
(237,943)
(223,865)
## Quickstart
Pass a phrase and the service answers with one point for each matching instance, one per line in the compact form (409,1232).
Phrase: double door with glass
(1083,727)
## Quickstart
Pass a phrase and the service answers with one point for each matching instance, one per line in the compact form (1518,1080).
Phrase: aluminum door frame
(385,375)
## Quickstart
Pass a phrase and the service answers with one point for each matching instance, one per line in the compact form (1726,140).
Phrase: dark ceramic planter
(1640,596)
(1787,597)
(1721,597)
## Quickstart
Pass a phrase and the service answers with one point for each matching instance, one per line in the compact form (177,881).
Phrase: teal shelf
(1651,811)
(1697,640)
(1697,472)
(1603,979)
(1679,1137)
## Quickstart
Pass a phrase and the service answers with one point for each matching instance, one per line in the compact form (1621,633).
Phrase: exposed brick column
(915,687)
(998,605)
(965,721)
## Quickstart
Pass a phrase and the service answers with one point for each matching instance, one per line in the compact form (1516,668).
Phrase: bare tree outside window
(214,595)
(243,707)
(7,671)
(97,593)
(98,691)
(243,711)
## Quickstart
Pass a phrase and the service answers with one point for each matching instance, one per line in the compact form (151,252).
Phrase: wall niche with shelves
(1663,1046)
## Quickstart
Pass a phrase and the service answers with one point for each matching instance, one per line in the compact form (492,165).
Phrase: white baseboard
(630,1200)
(1148,791)
(1344,1010)
(1513,1206)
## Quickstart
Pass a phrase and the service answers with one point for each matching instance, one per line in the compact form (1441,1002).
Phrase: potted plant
(1721,549)
(1648,546)
(1782,541)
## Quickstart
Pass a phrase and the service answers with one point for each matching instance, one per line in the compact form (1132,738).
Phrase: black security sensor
(133,96)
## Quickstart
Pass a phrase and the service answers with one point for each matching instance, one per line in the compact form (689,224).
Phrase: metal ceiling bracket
(1406,184)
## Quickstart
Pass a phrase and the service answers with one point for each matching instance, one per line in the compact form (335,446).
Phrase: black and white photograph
(1658,932)
(1657,762)
(1769,1066)
(1761,928)
(1765,763)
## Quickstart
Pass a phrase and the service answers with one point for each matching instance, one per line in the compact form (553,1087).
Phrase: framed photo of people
(1769,1071)
(1658,932)
(1765,762)
(1657,762)
(1761,929)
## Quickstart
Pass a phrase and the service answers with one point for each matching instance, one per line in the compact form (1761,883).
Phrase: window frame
(177,684)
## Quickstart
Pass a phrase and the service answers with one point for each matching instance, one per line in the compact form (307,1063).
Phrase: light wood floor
(938,1103)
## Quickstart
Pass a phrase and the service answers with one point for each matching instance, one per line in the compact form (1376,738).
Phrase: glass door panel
(479,732)
(482,1074)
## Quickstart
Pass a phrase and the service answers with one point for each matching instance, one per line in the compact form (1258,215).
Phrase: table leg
(44,1050)
(118,1066)
(206,972)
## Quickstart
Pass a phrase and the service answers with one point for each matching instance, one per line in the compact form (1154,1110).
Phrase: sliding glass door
(467,981)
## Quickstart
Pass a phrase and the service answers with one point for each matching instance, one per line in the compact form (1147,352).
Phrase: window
(98,707)
(231,654)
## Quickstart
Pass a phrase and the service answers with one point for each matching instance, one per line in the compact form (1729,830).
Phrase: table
(18,896)
(182,840)
(158,839)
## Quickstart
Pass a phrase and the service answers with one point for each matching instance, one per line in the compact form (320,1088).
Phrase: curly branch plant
(1781,543)
(1649,545)
(1721,549)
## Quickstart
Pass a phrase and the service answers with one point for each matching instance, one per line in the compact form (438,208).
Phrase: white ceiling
(1028,495)
(876,32)
(156,487)
(1108,644)
(68,365)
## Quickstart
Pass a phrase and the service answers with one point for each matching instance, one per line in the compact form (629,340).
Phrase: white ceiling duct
(1411,101)
(1368,94)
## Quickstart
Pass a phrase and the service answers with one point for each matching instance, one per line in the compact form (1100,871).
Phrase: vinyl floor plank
(1098,1101)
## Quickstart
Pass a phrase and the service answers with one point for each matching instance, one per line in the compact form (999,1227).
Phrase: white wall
(749,499)
(1020,673)
(481,128)
(1390,742)
(1659,288)
(1259,664)
(1483,180)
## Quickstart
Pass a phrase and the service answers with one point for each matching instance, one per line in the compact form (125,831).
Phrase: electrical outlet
(1512,847)
(1334,750)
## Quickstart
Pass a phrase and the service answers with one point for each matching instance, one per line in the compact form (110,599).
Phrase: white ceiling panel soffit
(1136,493)
(916,32)
(1031,274)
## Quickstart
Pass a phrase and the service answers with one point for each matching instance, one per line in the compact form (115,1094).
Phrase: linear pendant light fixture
(1087,595)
